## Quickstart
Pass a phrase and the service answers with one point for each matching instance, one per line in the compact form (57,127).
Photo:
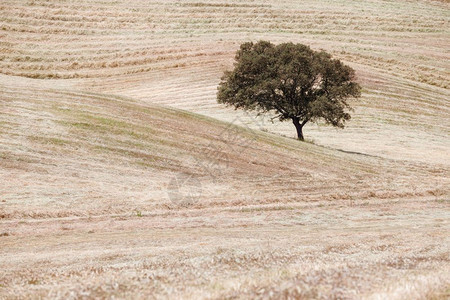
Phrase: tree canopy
(292,81)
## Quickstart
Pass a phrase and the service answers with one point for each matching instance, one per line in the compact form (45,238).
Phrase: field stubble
(86,158)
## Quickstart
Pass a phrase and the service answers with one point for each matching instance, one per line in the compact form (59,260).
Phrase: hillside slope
(89,207)
(174,53)
(120,175)
(80,146)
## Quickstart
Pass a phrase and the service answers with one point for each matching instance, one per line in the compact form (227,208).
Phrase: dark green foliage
(292,81)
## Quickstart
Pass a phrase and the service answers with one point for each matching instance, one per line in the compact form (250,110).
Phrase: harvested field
(120,175)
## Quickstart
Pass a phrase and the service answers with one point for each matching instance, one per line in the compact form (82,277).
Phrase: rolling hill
(122,177)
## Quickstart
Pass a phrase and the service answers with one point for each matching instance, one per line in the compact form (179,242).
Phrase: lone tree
(292,81)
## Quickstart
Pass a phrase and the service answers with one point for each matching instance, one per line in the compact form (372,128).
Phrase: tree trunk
(299,127)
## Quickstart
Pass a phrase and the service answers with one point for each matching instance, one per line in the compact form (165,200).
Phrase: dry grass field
(121,177)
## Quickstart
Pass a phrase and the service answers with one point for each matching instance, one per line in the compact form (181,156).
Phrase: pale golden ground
(128,102)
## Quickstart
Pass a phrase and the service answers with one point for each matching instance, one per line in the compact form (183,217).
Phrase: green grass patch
(49,140)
